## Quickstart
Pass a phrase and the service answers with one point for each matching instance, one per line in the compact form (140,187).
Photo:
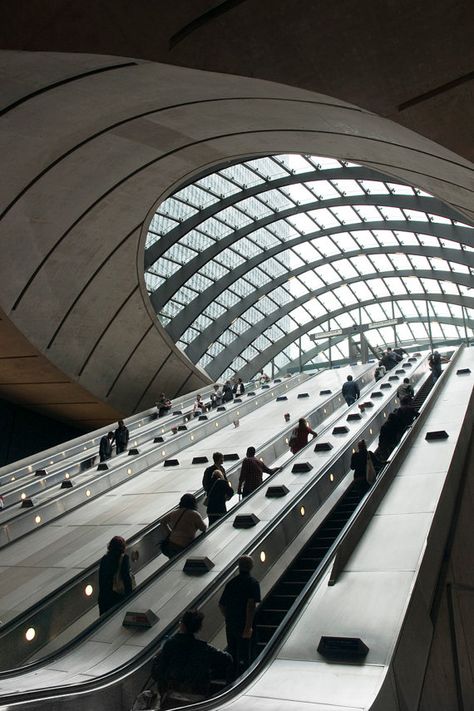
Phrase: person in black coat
(359,461)
(115,580)
(227,392)
(121,436)
(219,493)
(105,446)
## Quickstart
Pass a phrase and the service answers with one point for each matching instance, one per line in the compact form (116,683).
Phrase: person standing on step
(238,604)
(251,473)
(218,463)
(350,390)
(121,437)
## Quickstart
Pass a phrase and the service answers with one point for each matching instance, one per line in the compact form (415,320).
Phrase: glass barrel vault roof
(245,262)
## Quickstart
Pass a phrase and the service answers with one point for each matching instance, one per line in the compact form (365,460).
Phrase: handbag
(206,498)
(118,585)
(370,474)
(117,581)
(164,543)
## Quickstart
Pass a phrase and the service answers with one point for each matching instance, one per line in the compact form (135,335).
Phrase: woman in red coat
(299,436)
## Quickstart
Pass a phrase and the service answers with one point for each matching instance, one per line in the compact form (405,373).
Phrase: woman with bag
(362,462)
(219,493)
(181,525)
(115,578)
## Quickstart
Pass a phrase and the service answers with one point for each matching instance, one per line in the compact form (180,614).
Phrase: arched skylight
(244,263)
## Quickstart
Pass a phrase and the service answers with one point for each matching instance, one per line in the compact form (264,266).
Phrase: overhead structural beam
(187,316)
(407,202)
(309,355)
(233,349)
(224,359)
(293,178)
(166,291)
(415,202)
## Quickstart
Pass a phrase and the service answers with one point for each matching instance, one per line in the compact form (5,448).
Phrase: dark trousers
(240,651)
(120,447)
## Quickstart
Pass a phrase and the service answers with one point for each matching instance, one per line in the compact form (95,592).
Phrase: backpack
(293,438)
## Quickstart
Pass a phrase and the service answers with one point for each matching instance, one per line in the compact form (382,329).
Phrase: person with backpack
(299,436)
(220,491)
(185,666)
(115,578)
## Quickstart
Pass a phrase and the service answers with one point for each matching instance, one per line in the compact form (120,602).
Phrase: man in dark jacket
(184,666)
(251,473)
(121,436)
(238,604)
(350,391)
(218,459)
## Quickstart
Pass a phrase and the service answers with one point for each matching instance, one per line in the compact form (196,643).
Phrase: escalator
(291,584)
(280,599)
(301,571)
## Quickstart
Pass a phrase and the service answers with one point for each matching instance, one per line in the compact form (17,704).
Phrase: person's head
(406,381)
(240,380)
(162,396)
(389,350)
(245,564)
(349,377)
(198,397)
(362,447)
(435,353)
(218,458)
(217,474)
(302,423)
(116,545)
(191,621)
(120,423)
(110,435)
(250,452)
(188,501)
(216,387)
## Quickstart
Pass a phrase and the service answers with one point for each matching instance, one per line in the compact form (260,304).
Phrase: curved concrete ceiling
(91,144)
(409,61)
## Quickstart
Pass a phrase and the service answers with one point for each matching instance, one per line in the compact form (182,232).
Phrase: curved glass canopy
(246,262)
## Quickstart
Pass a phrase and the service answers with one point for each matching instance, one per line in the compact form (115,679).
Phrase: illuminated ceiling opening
(247,261)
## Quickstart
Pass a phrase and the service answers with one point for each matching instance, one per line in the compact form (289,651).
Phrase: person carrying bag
(182,524)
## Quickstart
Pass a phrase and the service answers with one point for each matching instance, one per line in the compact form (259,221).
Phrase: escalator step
(265,632)
(286,587)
